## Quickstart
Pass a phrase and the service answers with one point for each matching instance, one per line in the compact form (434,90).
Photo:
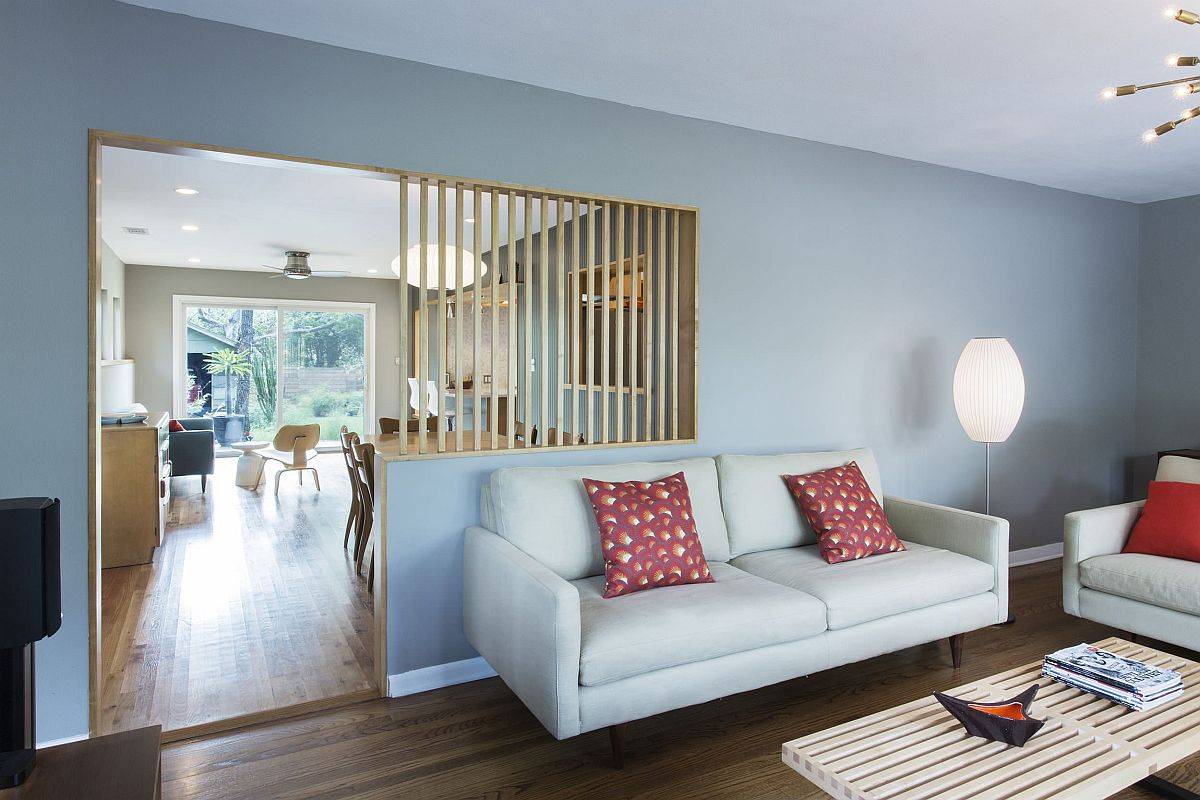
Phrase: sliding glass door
(324,376)
(254,365)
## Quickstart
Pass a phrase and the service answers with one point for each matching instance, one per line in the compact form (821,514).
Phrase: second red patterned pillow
(647,534)
(848,520)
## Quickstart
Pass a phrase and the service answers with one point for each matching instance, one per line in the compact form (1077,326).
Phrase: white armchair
(292,447)
(1148,595)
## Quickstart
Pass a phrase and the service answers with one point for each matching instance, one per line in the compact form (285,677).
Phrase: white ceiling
(1004,88)
(248,214)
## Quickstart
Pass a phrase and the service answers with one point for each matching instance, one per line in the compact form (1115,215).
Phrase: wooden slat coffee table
(1089,747)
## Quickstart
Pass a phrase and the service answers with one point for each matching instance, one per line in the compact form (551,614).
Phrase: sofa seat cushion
(672,625)
(872,588)
(1164,582)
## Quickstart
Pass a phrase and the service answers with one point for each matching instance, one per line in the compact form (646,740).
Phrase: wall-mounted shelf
(504,292)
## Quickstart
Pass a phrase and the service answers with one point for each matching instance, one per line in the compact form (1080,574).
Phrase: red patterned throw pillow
(647,534)
(849,522)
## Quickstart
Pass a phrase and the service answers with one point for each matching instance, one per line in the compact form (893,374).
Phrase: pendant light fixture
(1184,87)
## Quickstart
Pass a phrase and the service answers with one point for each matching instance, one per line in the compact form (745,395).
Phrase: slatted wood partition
(1089,748)
(544,319)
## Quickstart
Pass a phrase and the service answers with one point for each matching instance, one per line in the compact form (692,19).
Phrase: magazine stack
(1131,683)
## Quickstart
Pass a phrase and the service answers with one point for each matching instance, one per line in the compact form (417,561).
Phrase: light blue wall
(1168,370)
(837,286)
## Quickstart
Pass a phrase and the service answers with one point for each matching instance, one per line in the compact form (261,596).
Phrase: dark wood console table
(120,766)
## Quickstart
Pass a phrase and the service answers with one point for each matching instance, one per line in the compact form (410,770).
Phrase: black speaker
(30,609)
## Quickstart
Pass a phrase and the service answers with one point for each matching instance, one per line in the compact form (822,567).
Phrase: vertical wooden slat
(405,320)
(688,325)
(460,400)
(440,338)
(544,323)
(635,317)
(674,433)
(648,337)
(513,311)
(527,350)
(590,323)
(619,345)
(606,381)
(476,321)
(560,274)
(494,410)
(660,355)
(423,322)
(576,372)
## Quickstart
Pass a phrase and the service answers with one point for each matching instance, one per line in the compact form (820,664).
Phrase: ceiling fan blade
(329,273)
(271,266)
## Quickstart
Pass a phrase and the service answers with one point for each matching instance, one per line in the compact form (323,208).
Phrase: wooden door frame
(97,140)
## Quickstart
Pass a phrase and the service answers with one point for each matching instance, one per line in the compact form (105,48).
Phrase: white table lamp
(989,394)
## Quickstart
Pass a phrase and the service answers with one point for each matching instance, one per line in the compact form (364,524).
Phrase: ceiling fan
(297,268)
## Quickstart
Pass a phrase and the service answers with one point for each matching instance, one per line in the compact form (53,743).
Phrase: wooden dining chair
(389,426)
(364,459)
(348,441)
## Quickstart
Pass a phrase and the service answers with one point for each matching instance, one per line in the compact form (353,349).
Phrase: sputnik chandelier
(1183,86)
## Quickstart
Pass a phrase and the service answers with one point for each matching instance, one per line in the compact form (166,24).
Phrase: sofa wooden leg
(203,484)
(616,738)
(956,642)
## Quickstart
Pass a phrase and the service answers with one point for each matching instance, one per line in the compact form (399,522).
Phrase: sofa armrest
(1095,532)
(979,536)
(524,620)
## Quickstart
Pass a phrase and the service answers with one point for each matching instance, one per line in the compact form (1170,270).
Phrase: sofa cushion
(647,631)
(848,520)
(872,588)
(1165,582)
(545,510)
(759,509)
(647,534)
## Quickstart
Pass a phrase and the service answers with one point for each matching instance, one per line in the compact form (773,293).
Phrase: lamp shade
(407,265)
(989,389)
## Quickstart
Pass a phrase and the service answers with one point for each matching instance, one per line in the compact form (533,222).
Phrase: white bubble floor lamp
(989,395)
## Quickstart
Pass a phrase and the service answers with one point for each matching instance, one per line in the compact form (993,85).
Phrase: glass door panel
(323,377)
(230,370)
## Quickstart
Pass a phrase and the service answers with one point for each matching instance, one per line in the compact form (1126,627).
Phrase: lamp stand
(987,501)
(987,477)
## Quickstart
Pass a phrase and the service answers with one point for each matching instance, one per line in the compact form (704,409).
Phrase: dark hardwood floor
(478,741)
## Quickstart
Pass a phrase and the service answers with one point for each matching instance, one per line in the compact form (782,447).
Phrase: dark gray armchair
(191,450)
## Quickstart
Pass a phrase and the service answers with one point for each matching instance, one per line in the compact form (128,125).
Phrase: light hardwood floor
(250,605)
(478,741)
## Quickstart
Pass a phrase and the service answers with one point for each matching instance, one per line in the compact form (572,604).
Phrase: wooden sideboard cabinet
(134,491)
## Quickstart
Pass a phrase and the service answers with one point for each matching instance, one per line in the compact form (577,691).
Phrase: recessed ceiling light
(189,228)
(193,261)
(186,190)
(373,271)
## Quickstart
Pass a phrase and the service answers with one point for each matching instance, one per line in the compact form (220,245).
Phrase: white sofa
(1148,595)
(533,579)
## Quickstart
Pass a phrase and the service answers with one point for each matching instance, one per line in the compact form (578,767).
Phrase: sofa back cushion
(759,509)
(1178,469)
(545,511)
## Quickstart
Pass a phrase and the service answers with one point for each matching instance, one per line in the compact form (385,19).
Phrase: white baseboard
(65,740)
(435,677)
(1032,555)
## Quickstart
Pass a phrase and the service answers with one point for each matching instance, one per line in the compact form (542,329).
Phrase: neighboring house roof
(200,340)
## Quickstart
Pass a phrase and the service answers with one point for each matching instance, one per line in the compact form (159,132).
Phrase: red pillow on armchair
(647,534)
(848,520)
(175,426)
(1170,523)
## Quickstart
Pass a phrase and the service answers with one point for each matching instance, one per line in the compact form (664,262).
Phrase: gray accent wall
(837,286)
(151,290)
(1168,369)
